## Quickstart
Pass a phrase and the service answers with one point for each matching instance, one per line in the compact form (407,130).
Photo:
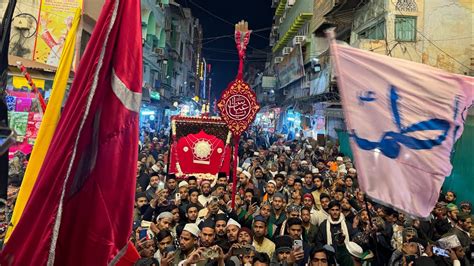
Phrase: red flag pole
(235,159)
(239,93)
(27,75)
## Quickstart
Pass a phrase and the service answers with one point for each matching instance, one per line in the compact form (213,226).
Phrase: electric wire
(221,19)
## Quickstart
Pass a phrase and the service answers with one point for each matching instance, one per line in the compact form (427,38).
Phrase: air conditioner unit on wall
(299,39)
(278,59)
(291,2)
(287,50)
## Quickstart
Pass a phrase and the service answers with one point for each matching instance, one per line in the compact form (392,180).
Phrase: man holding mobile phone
(301,248)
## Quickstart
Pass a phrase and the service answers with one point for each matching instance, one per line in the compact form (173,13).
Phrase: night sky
(221,52)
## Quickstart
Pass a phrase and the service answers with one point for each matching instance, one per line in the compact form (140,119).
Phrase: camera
(214,199)
(244,250)
(210,254)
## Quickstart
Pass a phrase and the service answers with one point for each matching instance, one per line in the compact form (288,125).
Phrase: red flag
(80,210)
(129,258)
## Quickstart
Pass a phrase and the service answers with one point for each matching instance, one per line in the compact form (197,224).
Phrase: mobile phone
(170,249)
(410,258)
(143,233)
(338,236)
(145,224)
(254,200)
(297,244)
(177,196)
(440,252)
(161,185)
(7,138)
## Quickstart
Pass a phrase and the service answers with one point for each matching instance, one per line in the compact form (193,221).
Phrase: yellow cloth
(48,125)
(267,246)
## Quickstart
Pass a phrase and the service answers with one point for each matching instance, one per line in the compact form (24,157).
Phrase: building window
(405,28)
(374,32)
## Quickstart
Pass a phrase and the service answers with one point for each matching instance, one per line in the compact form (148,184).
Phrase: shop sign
(268,82)
(154,95)
(320,84)
(20,83)
(55,20)
(291,68)
(334,112)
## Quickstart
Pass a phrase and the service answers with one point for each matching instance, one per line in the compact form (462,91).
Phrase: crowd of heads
(297,203)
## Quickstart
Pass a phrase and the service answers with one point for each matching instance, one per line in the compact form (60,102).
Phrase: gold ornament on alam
(202,149)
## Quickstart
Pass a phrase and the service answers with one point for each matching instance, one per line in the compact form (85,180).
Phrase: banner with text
(55,20)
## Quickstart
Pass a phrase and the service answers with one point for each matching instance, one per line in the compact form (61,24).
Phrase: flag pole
(168,163)
(5,43)
(48,124)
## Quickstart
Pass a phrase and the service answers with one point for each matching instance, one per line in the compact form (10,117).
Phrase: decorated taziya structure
(238,104)
(200,146)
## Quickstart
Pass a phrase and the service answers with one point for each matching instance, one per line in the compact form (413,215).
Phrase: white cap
(355,250)
(315,170)
(321,148)
(352,170)
(183,184)
(256,153)
(339,159)
(283,173)
(155,168)
(304,162)
(247,174)
(192,228)
(239,169)
(233,222)
(164,215)
(272,182)
(155,138)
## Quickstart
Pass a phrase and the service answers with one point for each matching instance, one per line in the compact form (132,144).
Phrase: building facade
(153,14)
(306,89)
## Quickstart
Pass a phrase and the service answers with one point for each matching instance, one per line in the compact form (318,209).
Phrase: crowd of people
(297,203)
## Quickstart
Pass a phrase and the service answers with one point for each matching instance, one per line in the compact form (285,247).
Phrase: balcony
(296,17)
(320,9)
(334,13)
(280,8)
